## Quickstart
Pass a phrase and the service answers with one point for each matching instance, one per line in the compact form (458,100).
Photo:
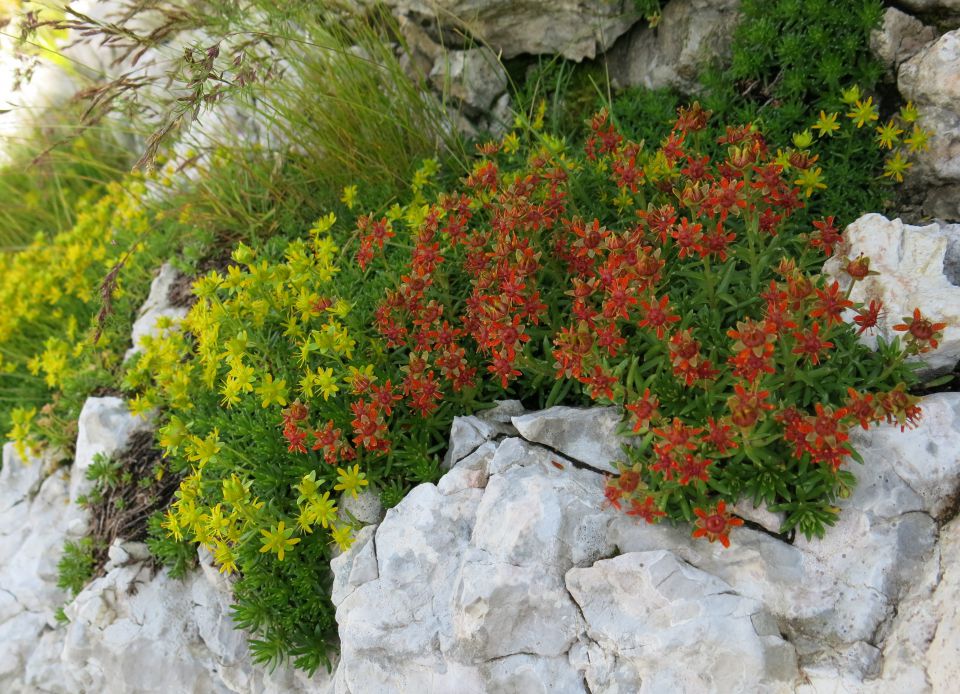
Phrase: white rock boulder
(689,35)
(899,38)
(138,630)
(587,436)
(919,267)
(510,575)
(574,29)
(931,79)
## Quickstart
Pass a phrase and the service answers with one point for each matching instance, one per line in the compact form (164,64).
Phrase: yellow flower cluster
(219,527)
(319,509)
(50,292)
(226,344)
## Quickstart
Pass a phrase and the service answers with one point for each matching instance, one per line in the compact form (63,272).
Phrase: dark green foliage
(76,566)
(177,557)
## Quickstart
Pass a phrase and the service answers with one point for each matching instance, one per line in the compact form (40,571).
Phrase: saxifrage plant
(673,284)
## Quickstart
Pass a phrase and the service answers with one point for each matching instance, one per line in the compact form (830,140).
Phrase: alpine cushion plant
(670,283)
(663,282)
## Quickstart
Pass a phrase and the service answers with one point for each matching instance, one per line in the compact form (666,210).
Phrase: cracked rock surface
(510,575)
(930,78)
(130,630)
(574,29)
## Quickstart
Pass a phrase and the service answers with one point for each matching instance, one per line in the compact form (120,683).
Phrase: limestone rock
(104,426)
(471,472)
(471,577)
(685,616)
(918,268)
(365,507)
(932,7)
(474,77)
(586,436)
(689,35)
(32,529)
(574,29)
(899,38)
(925,459)
(461,579)
(135,631)
(931,79)
(156,306)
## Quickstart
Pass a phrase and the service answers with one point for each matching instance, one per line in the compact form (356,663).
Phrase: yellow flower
(323,225)
(202,451)
(236,491)
(326,382)
(243,254)
(918,140)
(305,520)
(888,134)
(343,536)
(909,112)
(850,95)
(172,526)
(827,124)
(272,392)
(350,480)
(323,509)
(140,406)
(224,556)
(278,540)
(349,196)
(216,523)
(230,392)
(802,140)
(172,434)
(863,112)
(307,487)
(896,166)
(306,384)
(810,180)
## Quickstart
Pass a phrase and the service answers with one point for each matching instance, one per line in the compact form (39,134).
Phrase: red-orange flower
(647,509)
(657,315)
(830,304)
(810,344)
(715,525)
(643,410)
(868,316)
(924,334)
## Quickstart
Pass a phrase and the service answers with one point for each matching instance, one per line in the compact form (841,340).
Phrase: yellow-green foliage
(51,293)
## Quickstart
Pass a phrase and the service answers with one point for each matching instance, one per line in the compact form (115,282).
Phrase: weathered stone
(925,459)
(156,306)
(899,38)
(932,7)
(103,429)
(917,269)
(475,78)
(570,28)
(356,567)
(131,630)
(585,436)
(467,434)
(931,79)
(365,507)
(470,473)
(685,615)
(689,35)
